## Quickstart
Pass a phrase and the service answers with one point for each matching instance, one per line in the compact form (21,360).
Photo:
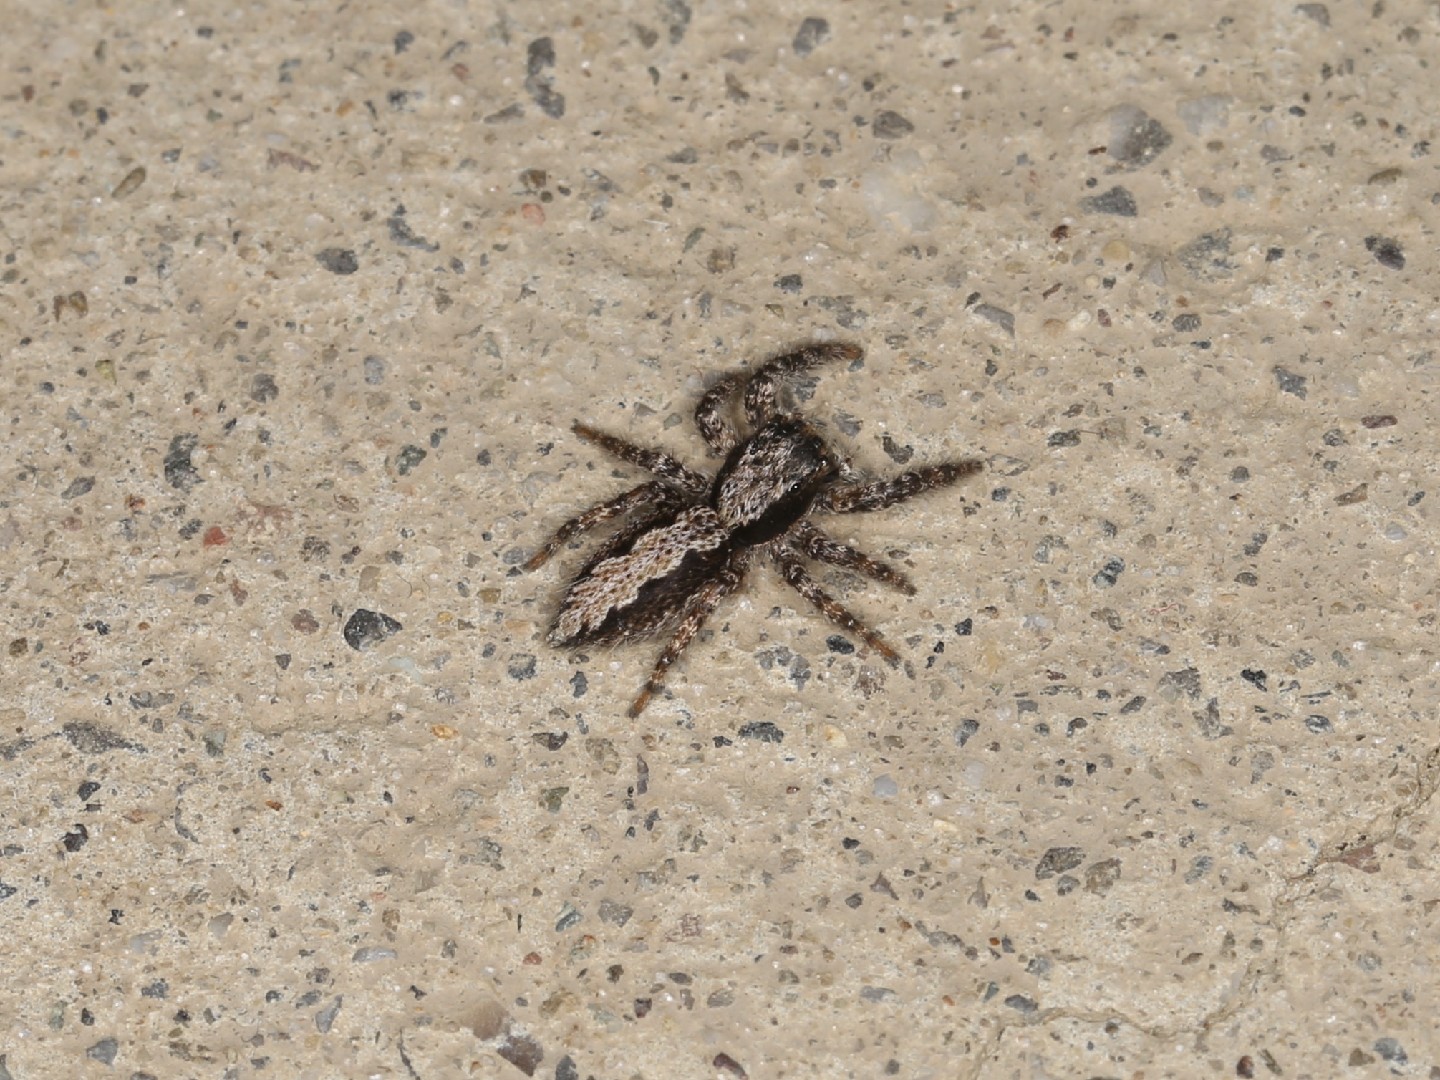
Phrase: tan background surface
(298,302)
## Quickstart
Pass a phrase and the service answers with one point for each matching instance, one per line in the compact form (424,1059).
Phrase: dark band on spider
(687,540)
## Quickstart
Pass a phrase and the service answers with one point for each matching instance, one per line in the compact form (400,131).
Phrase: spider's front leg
(655,461)
(796,577)
(760,390)
(856,498)
(810,541)
(719,434)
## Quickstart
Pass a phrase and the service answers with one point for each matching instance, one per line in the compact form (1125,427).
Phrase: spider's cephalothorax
(691,539)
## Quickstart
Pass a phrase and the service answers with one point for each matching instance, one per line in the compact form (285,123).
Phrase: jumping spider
(694,538)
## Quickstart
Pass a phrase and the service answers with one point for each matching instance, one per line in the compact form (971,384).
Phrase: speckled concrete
(298,302)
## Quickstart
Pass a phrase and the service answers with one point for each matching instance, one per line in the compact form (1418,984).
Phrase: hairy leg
(655,461)
(718,432)
(796,577)
(760,390)
(808,540)
(653,493)
(852,498)
(705,601)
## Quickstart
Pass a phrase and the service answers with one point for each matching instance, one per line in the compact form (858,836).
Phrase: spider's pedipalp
(719,434)
(760,390)
(655,461)
(856,498)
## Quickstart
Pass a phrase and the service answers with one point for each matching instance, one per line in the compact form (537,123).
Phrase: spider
(691,539)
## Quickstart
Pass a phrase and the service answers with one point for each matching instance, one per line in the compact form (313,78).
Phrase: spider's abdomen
(642,583)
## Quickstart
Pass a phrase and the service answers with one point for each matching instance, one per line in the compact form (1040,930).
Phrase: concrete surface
(298,302)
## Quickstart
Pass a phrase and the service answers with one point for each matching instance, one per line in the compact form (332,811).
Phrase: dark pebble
(1391,1050)
(408,458)
(1254,677)
(1290,383)
(338,260)
(1057,860)
(891,125)
(521,1050)
(539,60)
(263,388)
(1136,138)
(1387,252)
(1109,573)
(366,628)
(179,473)
(763,730)
(813,33)
(1208,257)
(1117,201)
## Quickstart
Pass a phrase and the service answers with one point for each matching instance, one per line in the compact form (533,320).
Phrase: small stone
(521,1050)
(179,472)
(1391,1050)
(1057,860)
(1290,383)
(366,628)
(1207,257)
(1387,252)
(813,33)
(1117,201)
(1136,139)
(338,260)
(104,1051)
(891,125)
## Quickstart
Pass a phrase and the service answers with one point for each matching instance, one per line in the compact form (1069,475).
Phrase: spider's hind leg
(705,600)
(655,493)
(760,390)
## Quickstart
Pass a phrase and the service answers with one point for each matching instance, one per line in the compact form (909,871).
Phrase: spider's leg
(852,498)
(718,432)
(760,390)
(808,540)
(653,493)
(655,461)
(796,577)
(705,600)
